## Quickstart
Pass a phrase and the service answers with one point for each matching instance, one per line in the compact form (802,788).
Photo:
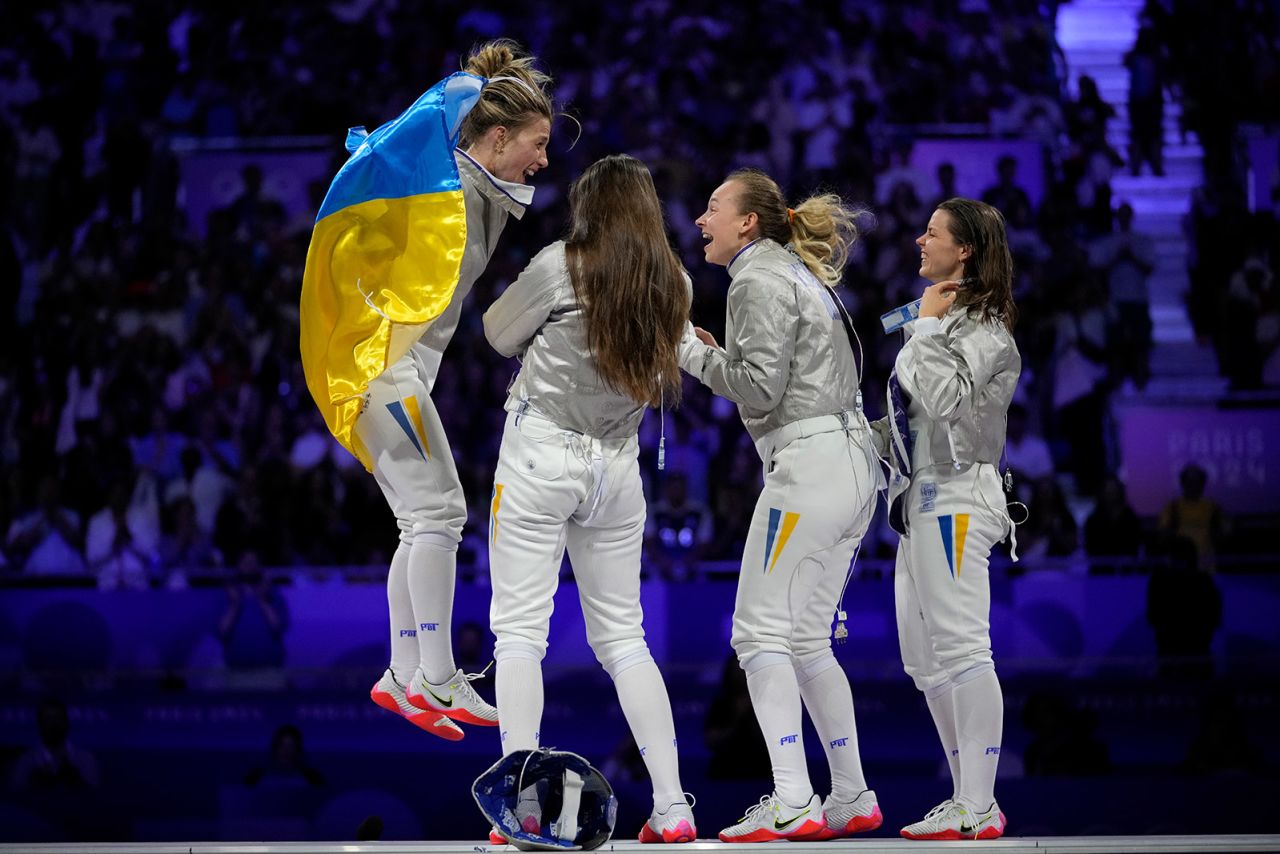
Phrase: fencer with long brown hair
(596,319)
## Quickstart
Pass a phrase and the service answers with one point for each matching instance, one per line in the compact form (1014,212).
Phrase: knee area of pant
(931,683)
(968,671)
(933,689)
(435,538)
(758,660)
(616,665)
(506,649)
(810,666)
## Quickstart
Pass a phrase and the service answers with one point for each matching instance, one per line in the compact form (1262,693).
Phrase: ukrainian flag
(385,253)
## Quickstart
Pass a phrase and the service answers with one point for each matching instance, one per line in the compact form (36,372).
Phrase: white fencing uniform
(412,461)
(959,375)
(568,477)
(788,363)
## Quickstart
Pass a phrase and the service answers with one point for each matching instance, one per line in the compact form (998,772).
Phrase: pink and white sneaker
(675,824)
(953,820)
(845,818)
(389,694)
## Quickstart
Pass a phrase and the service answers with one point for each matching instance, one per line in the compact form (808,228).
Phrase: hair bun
(492,58)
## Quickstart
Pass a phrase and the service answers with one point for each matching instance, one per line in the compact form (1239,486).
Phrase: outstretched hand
(705,337)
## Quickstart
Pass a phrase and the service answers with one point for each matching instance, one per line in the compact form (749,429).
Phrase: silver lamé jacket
(960,373)
(538,319)
(787,356)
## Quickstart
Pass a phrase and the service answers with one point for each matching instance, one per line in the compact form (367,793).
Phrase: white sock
(979,725)
(518,684)
(829,701)
(942,708)
(431,577)
(404,641)
(643,696)
(775,696)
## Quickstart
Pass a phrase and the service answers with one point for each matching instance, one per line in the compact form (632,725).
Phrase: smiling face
(941,257)
(723,227)
(519,153)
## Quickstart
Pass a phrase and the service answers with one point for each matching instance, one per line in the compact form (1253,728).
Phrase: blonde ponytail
(823,229)
(820,230)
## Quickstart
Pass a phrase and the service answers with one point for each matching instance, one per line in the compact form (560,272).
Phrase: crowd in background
(154,422)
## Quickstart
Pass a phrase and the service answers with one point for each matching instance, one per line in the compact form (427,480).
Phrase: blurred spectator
(84,386)
(1080,382)
(1125,258)
(678,528)
(46,541)
(242,525)
(1005,194)
(731,732)
(287,762)
(732,522)
(1087,118)
(252,627)
(123,539)
(1146,103)
(202,484)
(1184,609)
(160,450)
(185,549)
(1193,518)
(1063,742)
(946,174)
(1112,529)
(1027,453)
(1251,322)
(55,764)
(1050,529)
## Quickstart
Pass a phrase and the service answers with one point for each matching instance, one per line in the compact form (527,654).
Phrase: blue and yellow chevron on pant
(781,524)
(495,504)
(954,528)
(409,417)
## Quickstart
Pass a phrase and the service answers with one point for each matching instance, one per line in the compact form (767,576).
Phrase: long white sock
(775,696)
(518,684)
(431,576)
(643,696)
(829,701)
(404,641)
(979,725)
(942,708)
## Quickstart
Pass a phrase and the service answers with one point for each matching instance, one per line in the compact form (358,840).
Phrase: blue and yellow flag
(385,253)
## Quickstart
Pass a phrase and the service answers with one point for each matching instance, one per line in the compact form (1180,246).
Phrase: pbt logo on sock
(428,627)
(788,739)
(840,742)
(991,750)
(408,633)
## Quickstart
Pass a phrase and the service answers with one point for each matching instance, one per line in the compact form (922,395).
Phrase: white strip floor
(1037,845)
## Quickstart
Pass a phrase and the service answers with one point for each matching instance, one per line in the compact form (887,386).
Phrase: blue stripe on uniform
(944,527)
(396,408)
(775,516)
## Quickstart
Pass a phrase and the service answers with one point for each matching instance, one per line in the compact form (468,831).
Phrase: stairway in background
(1095,35)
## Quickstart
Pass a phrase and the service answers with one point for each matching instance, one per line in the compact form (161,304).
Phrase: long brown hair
(627,280)
(989,267)
(820,230)
(508,103)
